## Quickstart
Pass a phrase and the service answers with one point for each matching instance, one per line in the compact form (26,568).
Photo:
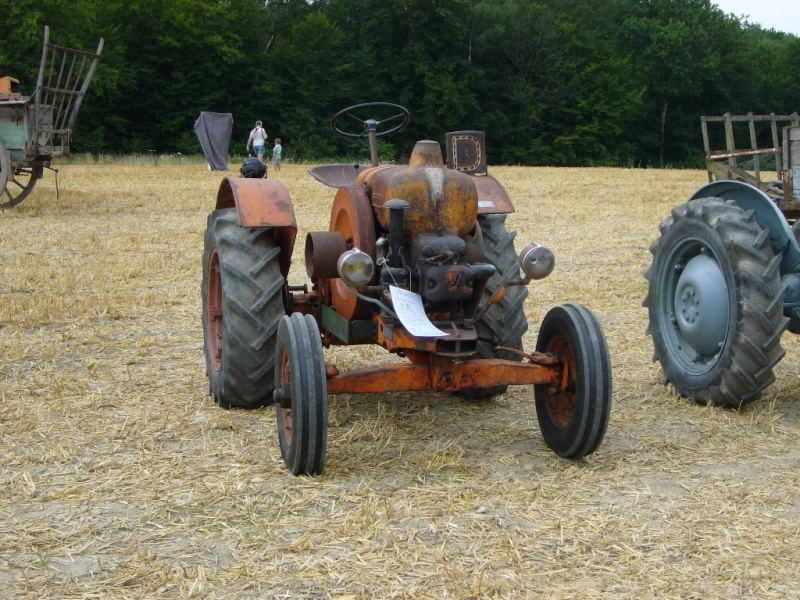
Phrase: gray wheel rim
(694,305)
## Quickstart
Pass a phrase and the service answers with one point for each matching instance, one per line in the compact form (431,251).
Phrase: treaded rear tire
(240,335)
(749,347)
(504,321)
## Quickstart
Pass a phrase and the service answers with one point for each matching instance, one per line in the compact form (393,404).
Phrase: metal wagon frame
(36,129)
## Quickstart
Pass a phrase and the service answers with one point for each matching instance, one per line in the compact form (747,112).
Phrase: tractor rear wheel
(301,382)
(715,303)
(242,304)
(505,321)
(573,416)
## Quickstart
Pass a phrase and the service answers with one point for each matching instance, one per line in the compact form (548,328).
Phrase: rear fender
(767,214)
(492,196)
(262,203)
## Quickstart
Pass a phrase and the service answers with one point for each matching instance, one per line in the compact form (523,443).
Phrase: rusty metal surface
(323,249)
(459,342)
(337,176)
(440,283)
(442,375)
(366,175)
(351,215)
(262,203)
(492,197)
(259,202)
(441,199)
(426,153)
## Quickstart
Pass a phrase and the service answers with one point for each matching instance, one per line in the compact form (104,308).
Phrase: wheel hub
(214,316)
(560,401)
(689,307)
(702,305)
(286,406)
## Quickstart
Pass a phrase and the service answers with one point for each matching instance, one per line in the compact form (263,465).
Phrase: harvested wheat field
(120,478)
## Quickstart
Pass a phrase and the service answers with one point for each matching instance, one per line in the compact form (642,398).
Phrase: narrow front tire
(301,384)
(573,416)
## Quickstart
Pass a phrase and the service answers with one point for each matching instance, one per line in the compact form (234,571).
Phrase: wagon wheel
(573,416)
(16,181)
(5,165)
(302,392)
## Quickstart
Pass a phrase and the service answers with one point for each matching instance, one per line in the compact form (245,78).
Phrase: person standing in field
(259,138)
(277,149)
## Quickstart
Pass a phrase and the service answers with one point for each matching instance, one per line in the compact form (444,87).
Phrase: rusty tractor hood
(442,200)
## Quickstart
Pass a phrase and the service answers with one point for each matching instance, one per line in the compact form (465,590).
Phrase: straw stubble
(120,478)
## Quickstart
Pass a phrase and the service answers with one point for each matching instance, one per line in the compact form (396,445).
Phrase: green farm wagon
(35,129)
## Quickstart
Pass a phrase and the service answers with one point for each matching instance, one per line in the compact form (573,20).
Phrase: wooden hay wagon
(37,128)
(772,146)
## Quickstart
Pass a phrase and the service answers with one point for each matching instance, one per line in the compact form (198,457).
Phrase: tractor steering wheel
(371,125)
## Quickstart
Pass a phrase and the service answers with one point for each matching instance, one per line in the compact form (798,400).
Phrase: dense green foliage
(555,82)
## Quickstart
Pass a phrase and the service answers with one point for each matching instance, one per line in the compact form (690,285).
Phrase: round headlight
(536,261)
(355,267)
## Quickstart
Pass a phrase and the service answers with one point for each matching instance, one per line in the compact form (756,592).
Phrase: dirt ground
(120,478)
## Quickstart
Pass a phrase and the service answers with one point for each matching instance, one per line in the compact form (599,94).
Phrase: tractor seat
(336,176)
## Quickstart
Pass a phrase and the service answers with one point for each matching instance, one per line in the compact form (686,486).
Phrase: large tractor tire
(504,321)
(574,416)
(242,306)
(715,303)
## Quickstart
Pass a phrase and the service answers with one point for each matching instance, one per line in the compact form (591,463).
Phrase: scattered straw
(121,479)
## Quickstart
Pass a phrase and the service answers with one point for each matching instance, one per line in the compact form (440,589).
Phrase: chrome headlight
(536,261)
(356,268)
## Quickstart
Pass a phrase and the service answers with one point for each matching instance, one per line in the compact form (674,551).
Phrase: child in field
(259,138)
(277,149)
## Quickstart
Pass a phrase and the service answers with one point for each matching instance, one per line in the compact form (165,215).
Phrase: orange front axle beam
(442,374)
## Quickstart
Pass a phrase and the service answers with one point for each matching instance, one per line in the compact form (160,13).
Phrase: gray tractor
(724,283)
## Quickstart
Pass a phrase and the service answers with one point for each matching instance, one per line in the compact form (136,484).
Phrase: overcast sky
(781,15)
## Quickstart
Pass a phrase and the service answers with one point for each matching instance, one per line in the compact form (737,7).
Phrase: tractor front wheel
(715,303)
(302,389)
(573,416)
(242,304)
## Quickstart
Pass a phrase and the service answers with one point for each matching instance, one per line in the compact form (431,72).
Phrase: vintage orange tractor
(417,260)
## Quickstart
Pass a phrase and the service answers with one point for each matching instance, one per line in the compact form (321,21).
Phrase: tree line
(551,82)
